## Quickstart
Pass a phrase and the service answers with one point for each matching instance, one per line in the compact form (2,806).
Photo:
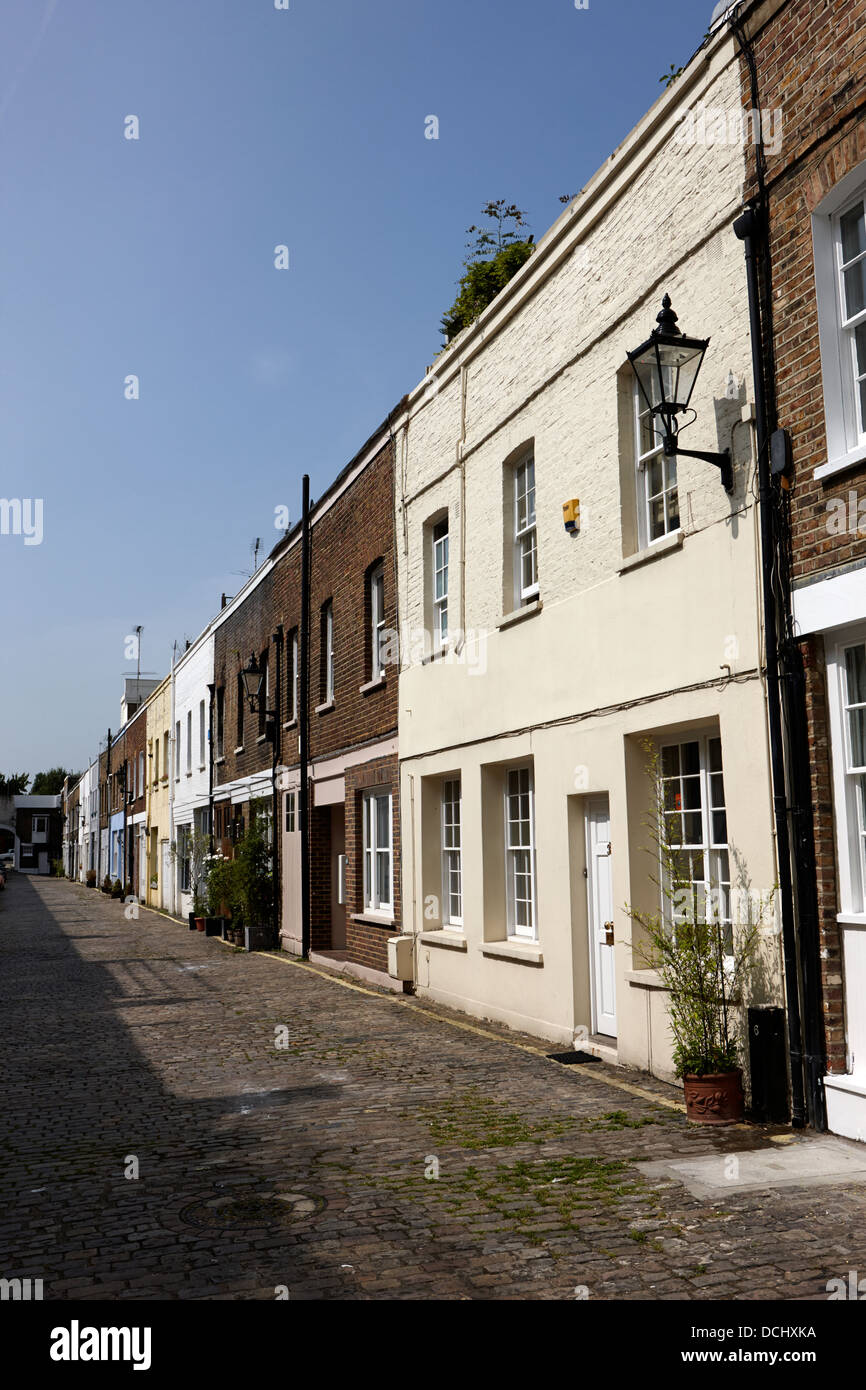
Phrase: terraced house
(574,594)
(805,64)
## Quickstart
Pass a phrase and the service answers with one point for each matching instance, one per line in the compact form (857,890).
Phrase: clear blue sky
(258,127)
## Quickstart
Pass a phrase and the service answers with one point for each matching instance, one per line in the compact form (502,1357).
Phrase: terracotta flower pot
(199,923)
(714,1099)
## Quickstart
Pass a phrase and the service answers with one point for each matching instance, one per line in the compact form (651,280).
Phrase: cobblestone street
(311,1167)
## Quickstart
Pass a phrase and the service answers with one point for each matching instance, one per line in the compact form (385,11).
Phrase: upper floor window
(658,509)
(520,852)
(140,787)
(850,245)
(189,741)
(240,700)
(525,538)
(166,763)
(839,245)
(201,733)
(220,721)
(264,698)
(177,751)
(292,654)
(440,584)
(377,622)
(327,652)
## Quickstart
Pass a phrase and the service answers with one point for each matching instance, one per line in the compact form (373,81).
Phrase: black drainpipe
(304,716)
(745,228)
(786,698)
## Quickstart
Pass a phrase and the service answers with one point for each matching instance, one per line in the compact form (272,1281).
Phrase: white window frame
(177,751)
(373,901)
(709,847)
(849,816)
(188,742)
(519,929)
(846,441)
(525,531)
(291,812)
(377,620)
(452,850)
(293,679)
(201,735)
(329,652)
(140,786)
(439,582)
(643,467)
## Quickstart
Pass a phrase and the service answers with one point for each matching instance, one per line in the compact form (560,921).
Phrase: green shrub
(117,889)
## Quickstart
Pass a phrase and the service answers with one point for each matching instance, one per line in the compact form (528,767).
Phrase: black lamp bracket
(721,461)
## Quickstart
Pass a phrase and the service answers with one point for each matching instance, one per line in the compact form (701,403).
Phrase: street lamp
(253,677)
(666,367)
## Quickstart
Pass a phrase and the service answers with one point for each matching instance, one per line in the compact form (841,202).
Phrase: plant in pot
(106,884)
(253,884)
(701,957)
(90,878)
(220,890)
(117,889)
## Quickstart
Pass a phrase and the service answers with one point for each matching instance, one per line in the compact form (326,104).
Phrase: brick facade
(352,533)
(811,63)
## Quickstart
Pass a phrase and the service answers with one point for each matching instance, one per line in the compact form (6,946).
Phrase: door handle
(608,933)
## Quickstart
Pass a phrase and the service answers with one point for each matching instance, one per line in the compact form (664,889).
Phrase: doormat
(572,1059)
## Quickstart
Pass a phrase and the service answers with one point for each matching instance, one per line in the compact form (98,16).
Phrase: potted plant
(253,885)
(703,960)
(90,878)
(117,889)
(106,884)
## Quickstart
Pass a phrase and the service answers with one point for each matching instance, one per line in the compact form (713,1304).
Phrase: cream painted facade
(160,832)
(625,641)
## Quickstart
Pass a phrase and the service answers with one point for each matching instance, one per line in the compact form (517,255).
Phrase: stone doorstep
(808,1161)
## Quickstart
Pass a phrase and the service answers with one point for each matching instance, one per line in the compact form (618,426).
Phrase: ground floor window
(696,833)
(378,865)
(183,858)
(520,852)
(452,866)
(291,812)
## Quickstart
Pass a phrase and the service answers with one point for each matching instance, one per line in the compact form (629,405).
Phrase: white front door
(166,903)
(600,890)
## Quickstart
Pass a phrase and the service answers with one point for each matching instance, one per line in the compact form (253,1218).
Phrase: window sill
(451,940)
(527,611)
(261,738)
(376,919)
(851,919)
(201,767)
(325,708)
(218,761)
(652,552)
(439,654)
(525,952)
(838,465)
(240,748)
(189,774)
(290,724)
(376,684)
(644,979)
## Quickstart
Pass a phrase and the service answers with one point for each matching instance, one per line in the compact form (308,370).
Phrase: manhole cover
(222,1212)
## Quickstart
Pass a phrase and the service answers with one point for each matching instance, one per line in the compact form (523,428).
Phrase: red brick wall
(811,62)
(366,940)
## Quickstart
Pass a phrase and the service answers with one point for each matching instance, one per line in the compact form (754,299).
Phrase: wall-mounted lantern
(666,367)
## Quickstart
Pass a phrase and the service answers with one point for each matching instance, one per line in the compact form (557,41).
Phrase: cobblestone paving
(308,1167)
